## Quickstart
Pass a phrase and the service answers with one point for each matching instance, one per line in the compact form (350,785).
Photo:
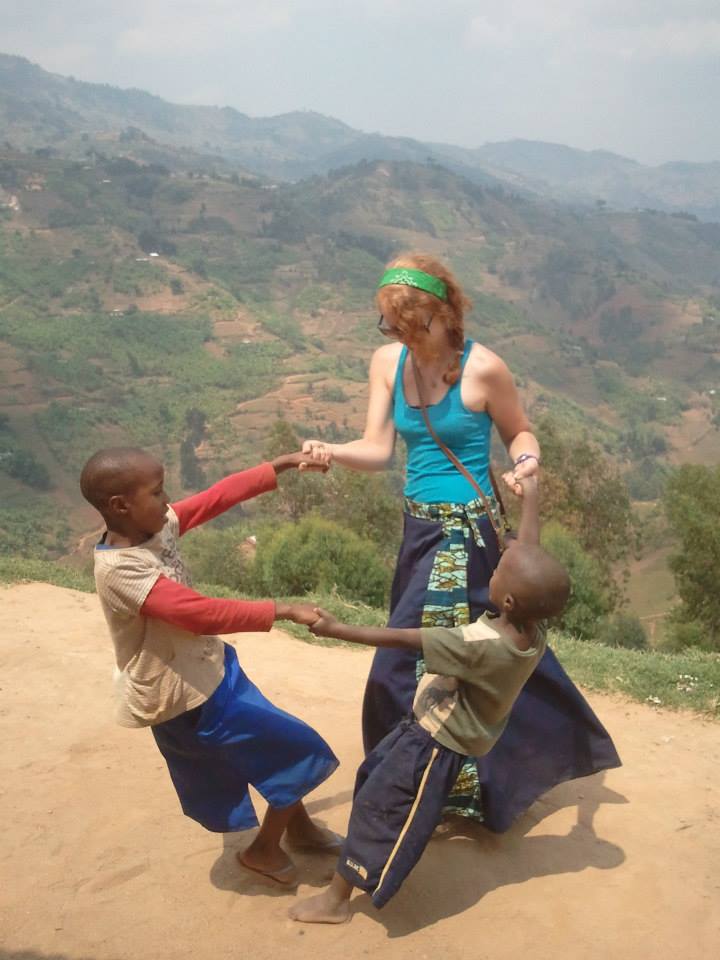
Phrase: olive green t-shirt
(474,675)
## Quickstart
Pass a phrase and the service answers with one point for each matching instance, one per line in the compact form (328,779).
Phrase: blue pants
(234,739)
(400,792)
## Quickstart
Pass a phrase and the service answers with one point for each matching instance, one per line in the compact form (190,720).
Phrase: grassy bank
(17,570)
(688,680)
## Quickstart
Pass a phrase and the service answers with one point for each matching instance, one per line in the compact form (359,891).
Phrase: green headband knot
(415,278)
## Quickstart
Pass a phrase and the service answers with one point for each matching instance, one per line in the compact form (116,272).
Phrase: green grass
(20,570)
(688,680)
(676,681)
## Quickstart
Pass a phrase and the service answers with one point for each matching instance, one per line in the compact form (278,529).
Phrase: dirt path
(97,862)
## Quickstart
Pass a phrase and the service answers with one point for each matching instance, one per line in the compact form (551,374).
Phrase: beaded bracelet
(524,457)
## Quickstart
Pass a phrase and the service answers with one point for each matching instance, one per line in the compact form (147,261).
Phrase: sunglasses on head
(393,332)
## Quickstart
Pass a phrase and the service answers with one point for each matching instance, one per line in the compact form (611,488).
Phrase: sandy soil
(97,861)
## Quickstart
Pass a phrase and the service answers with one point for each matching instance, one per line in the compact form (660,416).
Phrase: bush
(646,480)
(217,556)
(584,492)
(684,635)
(366,503)
(623,630)
(22,465)
(690,501)
(589,600)
(317,555)
(332,394)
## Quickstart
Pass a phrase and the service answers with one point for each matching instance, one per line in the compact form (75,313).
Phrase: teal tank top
(431,477)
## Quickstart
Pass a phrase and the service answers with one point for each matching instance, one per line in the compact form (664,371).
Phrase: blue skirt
(552,735)
(237,738)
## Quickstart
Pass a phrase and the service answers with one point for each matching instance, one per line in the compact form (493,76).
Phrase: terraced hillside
(188,311)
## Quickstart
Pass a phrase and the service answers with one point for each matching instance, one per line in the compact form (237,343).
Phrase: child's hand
(326,625)
(521,486)
(300,461)
(301,613)
(319,451)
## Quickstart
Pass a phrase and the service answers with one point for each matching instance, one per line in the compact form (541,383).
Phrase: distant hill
(588,176)
(40,110)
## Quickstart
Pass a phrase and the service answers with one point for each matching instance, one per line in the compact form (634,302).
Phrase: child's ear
(508,602)
(118,504)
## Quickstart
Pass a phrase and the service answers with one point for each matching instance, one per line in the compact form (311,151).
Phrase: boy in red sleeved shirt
(217,732)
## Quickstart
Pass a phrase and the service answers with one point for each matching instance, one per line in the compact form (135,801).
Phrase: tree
(192,475)
(589,600)
(584,491)
(298,493)
(368,504)
(691,498)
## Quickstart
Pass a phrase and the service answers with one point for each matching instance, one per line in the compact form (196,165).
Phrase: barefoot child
(215,729)
(461,707)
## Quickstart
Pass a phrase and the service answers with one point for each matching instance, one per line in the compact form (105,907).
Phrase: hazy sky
(639,77)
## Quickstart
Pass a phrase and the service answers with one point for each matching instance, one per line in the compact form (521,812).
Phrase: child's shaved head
(115,470)
(538,584)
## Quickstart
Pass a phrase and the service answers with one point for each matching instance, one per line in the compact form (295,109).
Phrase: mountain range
(40,110)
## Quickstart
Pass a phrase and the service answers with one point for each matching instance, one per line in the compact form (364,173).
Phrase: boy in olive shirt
(474,674)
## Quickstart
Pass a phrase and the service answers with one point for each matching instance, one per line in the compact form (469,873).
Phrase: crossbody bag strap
(501,506)
(459,464)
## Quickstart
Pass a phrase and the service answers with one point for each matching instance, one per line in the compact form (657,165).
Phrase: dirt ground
(97,862)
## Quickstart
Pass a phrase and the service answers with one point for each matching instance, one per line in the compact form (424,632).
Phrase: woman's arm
(506,410)
(374,451)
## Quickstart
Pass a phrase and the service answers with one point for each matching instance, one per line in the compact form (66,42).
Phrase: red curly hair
(410,306)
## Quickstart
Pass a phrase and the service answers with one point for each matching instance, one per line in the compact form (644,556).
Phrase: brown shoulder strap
(459,464)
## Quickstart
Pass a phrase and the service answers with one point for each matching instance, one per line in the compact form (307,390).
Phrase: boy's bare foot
(324,908)
(276,866)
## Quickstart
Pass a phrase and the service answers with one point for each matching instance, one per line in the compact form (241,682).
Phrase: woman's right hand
(319,451)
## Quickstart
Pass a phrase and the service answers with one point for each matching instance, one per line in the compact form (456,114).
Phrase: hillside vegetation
(188,311)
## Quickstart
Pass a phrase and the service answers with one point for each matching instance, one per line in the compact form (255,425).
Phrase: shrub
(317,555)
(22,465)
(685,634)
(332,394)
(217,556)
(623,630)
(690,501)
(589,600)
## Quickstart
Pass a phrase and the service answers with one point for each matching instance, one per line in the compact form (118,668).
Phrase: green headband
(415,278)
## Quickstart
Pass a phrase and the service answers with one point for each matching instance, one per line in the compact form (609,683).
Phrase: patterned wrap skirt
(446,559)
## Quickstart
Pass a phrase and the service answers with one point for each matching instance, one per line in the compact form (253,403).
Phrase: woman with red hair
(452,532)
